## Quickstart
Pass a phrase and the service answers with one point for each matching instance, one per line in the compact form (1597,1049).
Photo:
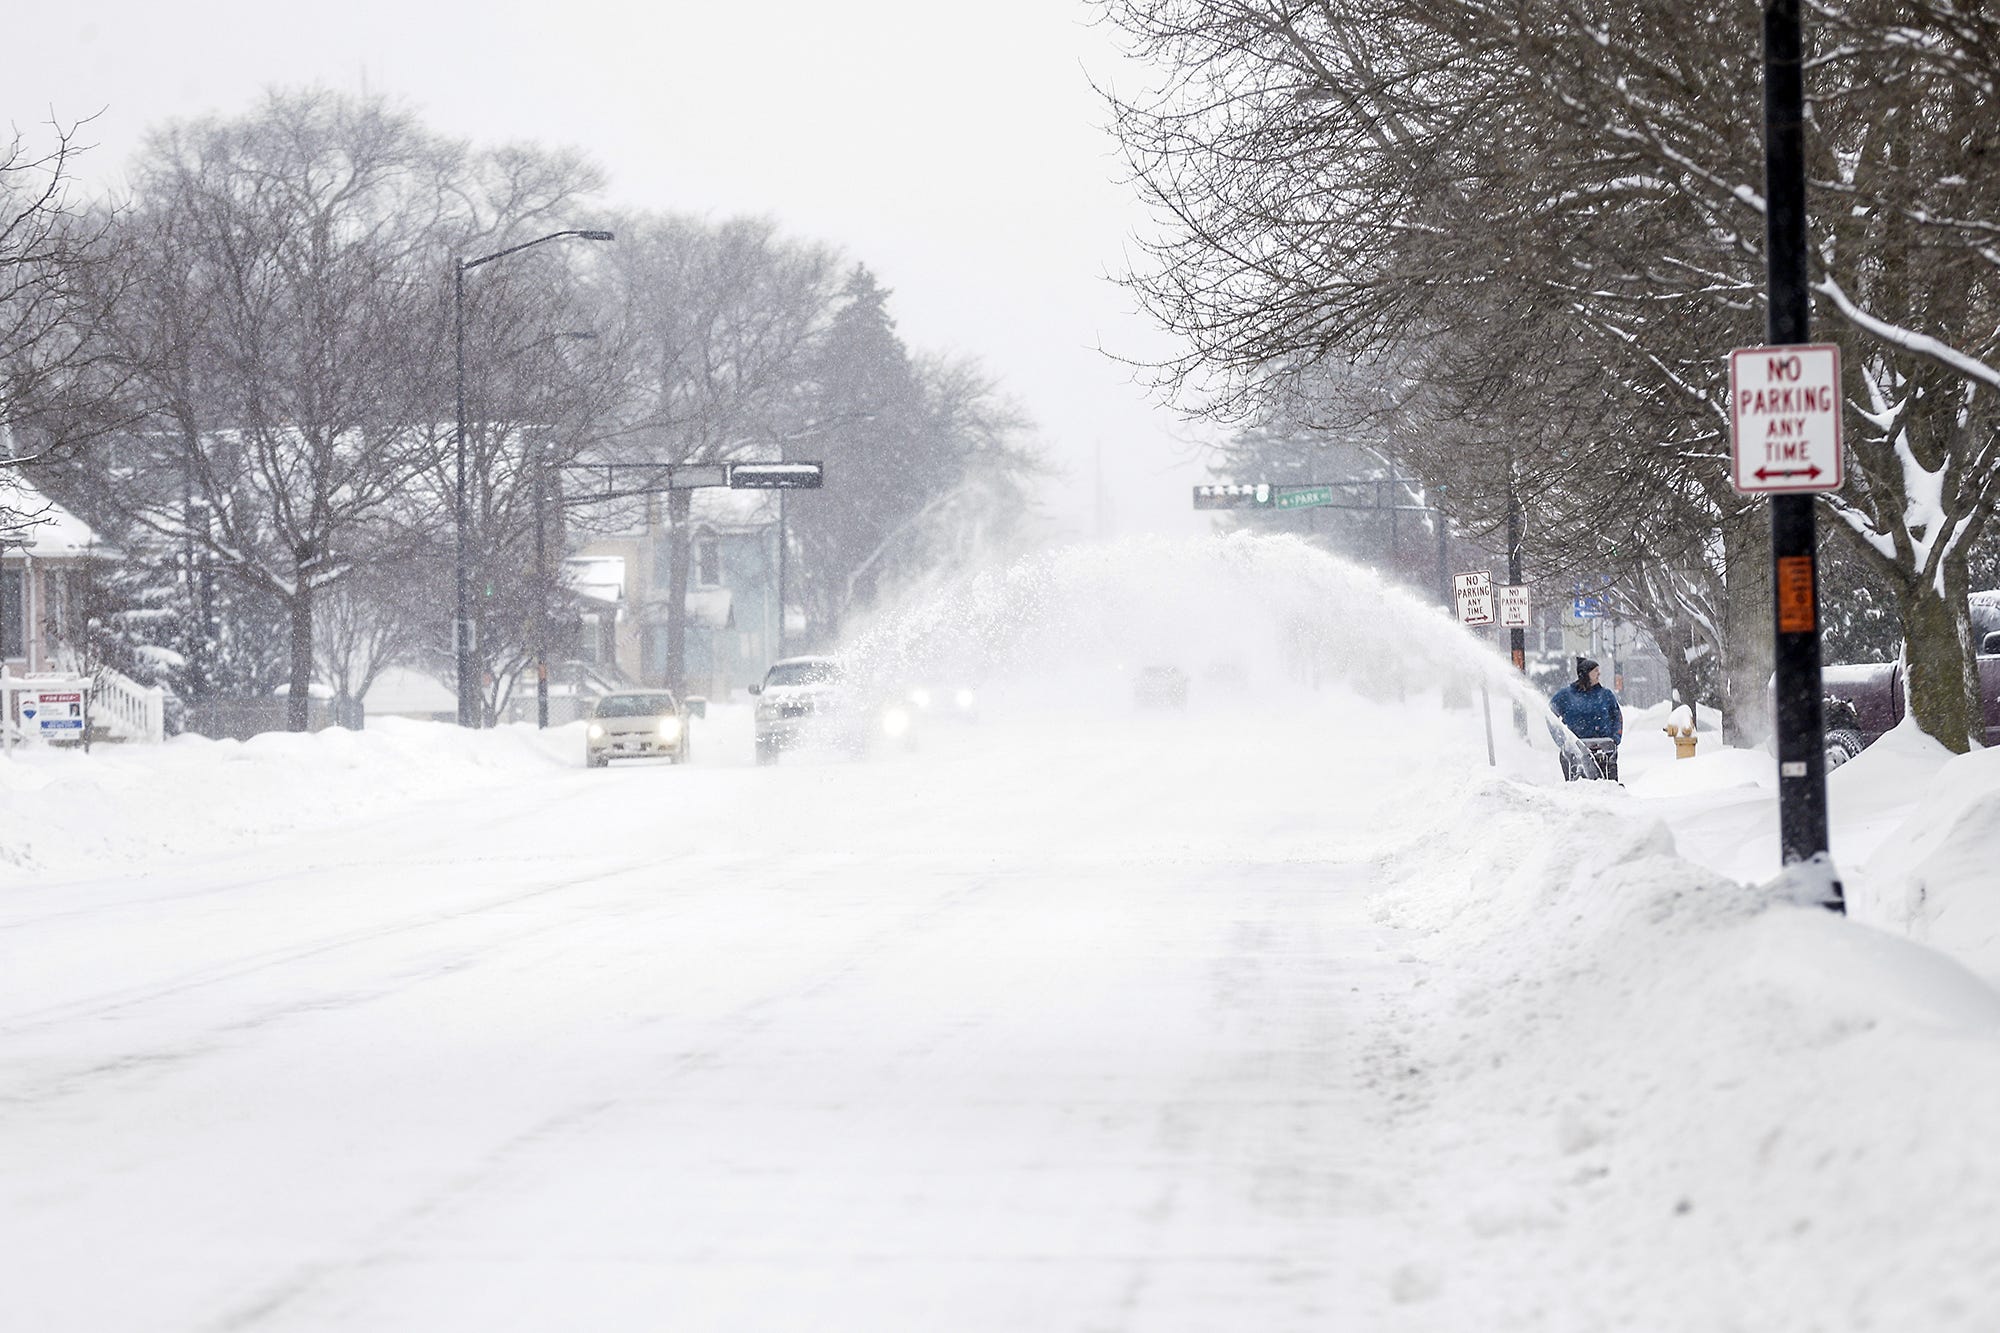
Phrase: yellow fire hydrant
(1684,739)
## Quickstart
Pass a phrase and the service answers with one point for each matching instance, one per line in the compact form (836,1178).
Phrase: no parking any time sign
(1784,419)
(1474,595)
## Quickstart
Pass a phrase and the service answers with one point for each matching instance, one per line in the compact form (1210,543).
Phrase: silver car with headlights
(805,700)
(636,724)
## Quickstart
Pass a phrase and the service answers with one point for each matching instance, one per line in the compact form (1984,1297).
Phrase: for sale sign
(53,715)
(1474,595)
(1513,599)
(1784,419)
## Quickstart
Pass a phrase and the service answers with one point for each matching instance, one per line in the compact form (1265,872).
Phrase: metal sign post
(1473,594)
(1797,397)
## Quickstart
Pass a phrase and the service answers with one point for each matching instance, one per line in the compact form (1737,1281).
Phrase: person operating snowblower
(1591,712)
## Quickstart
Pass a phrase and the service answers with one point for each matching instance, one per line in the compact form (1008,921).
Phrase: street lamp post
(541,472)
(462,643)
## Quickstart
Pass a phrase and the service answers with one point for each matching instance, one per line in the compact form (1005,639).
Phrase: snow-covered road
(1284,1012)
(987,1037)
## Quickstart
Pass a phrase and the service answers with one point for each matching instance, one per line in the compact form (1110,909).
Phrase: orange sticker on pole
(1795,594)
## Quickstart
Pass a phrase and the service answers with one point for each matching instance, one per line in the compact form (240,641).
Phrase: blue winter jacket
(1589,711)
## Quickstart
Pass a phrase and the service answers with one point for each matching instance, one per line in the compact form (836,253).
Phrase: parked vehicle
(636,724)
(1864,700)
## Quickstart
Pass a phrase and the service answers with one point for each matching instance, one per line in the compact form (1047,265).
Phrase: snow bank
(1936,875)
(1635,1070)
(69,812)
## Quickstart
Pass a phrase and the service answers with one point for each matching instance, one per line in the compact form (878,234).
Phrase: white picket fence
(132,711)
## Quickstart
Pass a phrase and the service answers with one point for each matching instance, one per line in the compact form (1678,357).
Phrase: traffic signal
(1235,495)
(775,476)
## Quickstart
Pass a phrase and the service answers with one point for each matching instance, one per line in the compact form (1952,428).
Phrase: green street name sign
(1302,497)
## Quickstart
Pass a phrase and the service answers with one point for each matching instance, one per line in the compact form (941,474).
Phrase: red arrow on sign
(1809,473)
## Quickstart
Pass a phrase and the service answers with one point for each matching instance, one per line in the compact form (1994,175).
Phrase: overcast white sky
(955,149)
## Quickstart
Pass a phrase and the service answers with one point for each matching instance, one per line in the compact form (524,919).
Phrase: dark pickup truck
(1866,699)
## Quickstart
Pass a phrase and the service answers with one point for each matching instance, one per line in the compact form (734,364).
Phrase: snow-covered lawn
(1285,1012)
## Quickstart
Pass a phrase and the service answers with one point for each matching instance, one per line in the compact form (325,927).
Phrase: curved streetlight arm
(564,335)
(464,264)
(462,627)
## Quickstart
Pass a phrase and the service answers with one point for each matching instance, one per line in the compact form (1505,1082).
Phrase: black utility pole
(781,577)
(1801,743)
(1444,550)
(779,646)
(541,586)
(1518,635)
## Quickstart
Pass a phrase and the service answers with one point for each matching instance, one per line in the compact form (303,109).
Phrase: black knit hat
(1584,666)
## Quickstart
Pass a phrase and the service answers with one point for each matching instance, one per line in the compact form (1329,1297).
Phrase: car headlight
(920,697)
(965,699)
(670,727)
(597,731)
(895,722)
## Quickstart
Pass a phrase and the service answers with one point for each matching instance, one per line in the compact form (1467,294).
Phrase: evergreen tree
(870,404)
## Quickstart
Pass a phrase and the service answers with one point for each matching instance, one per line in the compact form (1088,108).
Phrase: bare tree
(285,333)
(1341,180)
(54,281)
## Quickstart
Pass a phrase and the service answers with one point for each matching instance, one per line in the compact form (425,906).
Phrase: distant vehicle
(1160,687)
(804,700)
(1864,700)
(955,704)
(1226,675)
(636,724)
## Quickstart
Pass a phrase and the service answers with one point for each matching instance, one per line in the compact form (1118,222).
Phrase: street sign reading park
(1784,419)
(1474,594)
(1514,605)
(1302,497)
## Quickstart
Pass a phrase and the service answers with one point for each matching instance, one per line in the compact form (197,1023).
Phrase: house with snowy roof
(44,554)
(43,551)
(622,580)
